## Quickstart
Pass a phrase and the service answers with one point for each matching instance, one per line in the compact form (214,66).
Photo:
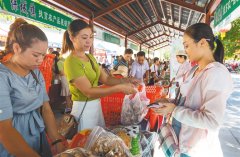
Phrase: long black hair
(199,31)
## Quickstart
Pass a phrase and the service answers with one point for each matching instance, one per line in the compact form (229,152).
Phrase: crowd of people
(26,116)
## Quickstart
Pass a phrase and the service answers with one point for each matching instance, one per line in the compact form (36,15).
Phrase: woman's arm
(215,89)
(111,81)
(108,80)
(83,84)
(51,126)
(13,142)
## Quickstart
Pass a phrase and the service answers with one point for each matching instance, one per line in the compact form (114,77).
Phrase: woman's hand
(133,81)
(60,147)
(127,88)
(166,109)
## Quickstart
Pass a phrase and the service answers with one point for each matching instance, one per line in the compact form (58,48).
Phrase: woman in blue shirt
(22,93)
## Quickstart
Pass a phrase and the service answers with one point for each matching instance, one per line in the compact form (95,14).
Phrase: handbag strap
(93,67)
(82,110)
(34,76)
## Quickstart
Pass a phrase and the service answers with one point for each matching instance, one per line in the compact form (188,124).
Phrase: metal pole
(208,18)
(91,24)
(126,42)
(148,52)
(140,47)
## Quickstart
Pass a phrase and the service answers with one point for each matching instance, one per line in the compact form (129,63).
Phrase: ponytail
(219,51)
(73,29)
(199,31)
(67,44)
(24,34)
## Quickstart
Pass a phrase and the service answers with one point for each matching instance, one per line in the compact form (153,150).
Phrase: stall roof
(151,23)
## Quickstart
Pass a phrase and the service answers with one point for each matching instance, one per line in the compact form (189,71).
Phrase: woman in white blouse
(184,67)
(206,91)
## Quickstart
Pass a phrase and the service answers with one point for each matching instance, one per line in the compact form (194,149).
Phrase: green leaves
(231,42)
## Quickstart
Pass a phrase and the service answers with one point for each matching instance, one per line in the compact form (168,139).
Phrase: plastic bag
(80,139)
(76,152)
(106,144)
(134,108)
(122,133)
(131,136)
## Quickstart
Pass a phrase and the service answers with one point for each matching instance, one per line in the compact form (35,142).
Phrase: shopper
(123,64)
(205,90)
(50,50)
(184,67)
(55,70)
(140,68)
(65,92)
(155,74)
(83,74)
(22,94)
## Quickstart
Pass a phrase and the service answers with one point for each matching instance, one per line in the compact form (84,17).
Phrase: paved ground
(230,131)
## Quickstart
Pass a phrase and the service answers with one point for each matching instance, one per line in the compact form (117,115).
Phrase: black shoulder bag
(69,125)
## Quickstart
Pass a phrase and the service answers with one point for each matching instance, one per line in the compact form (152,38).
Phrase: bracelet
(56,141)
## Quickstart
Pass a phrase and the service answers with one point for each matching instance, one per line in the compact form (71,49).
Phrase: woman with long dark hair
(204,94)
(83,74)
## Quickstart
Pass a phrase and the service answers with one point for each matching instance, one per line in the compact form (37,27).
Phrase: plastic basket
(112,105)
(153,93)
(112,108)
(46,69)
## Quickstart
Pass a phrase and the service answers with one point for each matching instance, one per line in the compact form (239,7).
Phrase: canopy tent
(151,23)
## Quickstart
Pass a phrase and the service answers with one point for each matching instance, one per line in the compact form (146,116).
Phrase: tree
(231,42)
(167,55)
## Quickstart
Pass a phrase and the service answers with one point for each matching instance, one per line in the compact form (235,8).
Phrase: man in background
(122,66)
(140,68)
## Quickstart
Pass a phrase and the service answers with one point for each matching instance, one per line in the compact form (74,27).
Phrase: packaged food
(76,152)
(131,137)
(134,133)
(105,144)
(80,139)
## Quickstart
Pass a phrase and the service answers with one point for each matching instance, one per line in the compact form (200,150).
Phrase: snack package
(134,108)
(106,144)
(133,132)
(130,135)
(76,152)
(123,134)
(80,139)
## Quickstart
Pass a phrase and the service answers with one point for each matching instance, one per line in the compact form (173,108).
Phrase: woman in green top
(83,74)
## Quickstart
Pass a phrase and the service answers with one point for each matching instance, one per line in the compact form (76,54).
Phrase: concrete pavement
(230,131)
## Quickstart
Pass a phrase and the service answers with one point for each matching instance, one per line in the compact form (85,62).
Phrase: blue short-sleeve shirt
(21,97)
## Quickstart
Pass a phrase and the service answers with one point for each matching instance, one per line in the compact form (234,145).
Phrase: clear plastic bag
(134,108)
(106,144)
(76,152)
(131,136)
